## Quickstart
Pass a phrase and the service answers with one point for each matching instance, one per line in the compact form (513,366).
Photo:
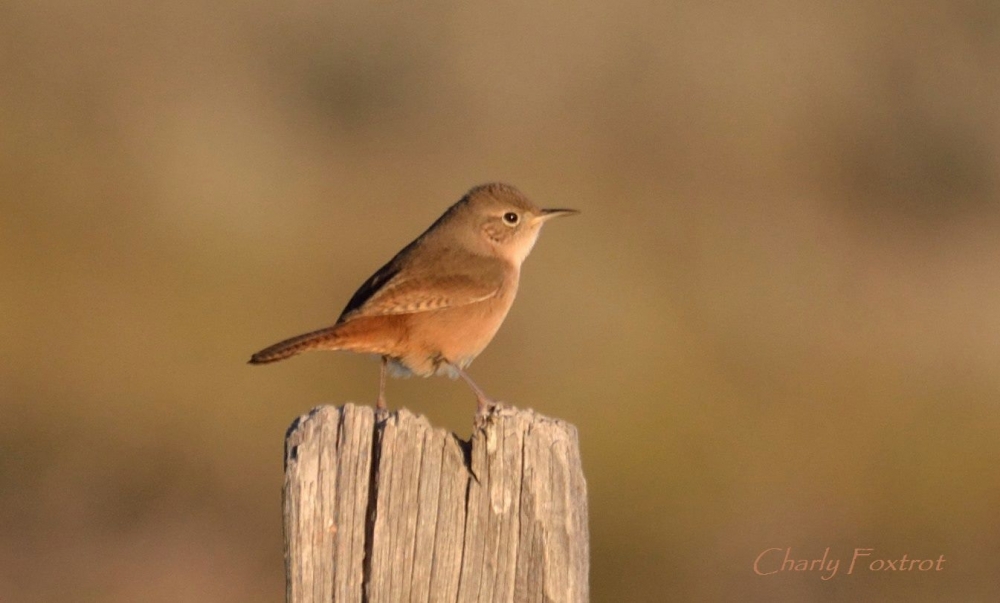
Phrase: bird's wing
(394,290)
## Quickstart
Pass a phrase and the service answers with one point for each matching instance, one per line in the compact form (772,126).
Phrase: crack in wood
(413,522)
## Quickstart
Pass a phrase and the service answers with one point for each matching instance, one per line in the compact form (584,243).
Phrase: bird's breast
(458,334)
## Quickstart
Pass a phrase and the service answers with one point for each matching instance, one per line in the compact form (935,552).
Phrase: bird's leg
(380,401)
(483,402)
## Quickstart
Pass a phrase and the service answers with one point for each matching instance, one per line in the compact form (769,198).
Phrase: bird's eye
(510,218)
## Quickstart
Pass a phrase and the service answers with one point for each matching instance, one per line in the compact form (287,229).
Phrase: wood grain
(387,508)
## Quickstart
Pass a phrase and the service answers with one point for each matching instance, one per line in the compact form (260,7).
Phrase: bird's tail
(323,339)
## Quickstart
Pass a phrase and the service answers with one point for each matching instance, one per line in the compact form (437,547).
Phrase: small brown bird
(436,305)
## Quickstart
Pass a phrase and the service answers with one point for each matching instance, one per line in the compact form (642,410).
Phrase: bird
(436,305)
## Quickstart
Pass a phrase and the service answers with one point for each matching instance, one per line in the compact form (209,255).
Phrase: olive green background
(776,322)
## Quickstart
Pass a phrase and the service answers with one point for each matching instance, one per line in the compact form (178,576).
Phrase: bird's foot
(381,411)
(486,407)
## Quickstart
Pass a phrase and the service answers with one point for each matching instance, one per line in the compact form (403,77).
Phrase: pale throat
(516,251)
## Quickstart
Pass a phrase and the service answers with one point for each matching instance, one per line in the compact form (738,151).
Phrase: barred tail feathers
(322,339)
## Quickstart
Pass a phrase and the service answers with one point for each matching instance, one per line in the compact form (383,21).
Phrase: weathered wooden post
(386,508)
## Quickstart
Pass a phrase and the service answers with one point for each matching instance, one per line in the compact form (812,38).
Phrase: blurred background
(776,322)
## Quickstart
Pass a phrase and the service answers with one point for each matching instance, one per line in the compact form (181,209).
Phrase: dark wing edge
(369,288)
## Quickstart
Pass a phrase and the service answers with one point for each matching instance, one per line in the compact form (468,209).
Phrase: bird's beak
(548,214)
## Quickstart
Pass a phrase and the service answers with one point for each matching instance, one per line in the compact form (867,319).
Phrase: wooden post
(386,508)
